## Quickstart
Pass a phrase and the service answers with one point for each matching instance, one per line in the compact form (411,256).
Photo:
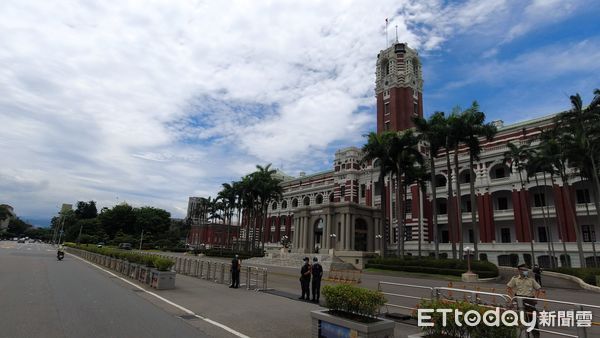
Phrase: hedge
(588,275)
(162,264)
(453,267)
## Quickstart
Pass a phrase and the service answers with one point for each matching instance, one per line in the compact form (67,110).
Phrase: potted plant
(352,312)
(162,277)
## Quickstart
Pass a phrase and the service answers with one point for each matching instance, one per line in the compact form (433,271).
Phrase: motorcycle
(60,255)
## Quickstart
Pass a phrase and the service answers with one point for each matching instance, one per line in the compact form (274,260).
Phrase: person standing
(524,286)
(317,274)
(305,272)
(537,273)
(236,265)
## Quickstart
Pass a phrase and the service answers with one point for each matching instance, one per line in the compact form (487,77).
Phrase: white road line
(186,310)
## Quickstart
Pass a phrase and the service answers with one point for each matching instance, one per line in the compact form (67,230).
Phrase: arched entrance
(318,229)
(360,235)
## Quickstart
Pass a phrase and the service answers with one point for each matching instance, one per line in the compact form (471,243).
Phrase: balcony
(582,210)
(538,212)
(504,215)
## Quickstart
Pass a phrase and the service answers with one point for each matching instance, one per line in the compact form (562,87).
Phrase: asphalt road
(43,297)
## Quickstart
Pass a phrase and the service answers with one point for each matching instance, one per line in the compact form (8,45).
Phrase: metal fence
(408,297)
(251,277)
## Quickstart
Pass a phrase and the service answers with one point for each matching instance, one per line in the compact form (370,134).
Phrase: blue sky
(152,102)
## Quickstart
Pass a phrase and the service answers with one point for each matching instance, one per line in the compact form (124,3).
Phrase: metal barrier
(251,277)
(489,299)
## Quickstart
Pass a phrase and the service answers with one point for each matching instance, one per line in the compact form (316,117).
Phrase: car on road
(125,246)
(101,244)
(21,240)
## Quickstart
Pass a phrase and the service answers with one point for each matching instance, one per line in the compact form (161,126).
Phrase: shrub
(451,329)
(163,264)
(483,257)
(453,267)
(353,300)
(588,275)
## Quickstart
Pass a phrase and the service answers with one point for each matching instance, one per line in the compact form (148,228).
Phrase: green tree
(18,226)
(377,151)
(120,218)
(86,210)
(433,131)
(405,155)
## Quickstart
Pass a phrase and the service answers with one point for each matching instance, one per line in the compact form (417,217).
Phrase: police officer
(523,285)
(305,272)
(317,274)
(235,272)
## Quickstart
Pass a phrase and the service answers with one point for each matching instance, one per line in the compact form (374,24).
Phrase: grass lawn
(411,274)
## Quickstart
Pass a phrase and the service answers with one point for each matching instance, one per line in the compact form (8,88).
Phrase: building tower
(398,87)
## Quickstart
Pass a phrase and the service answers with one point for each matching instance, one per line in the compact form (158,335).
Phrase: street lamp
(332,237)
(468,250)
(379,237)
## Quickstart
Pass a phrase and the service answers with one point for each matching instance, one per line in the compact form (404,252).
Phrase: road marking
(186,310)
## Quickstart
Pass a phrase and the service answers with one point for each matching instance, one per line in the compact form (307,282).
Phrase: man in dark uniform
(317,274)
(305,279)
(235,272)
(537,273)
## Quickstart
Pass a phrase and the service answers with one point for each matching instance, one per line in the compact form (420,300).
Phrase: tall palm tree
(267,190)
(432,132)
(228,196)
(556,145)
(475,128)
(456,136)
(404,155)
(377,150)
(518,157)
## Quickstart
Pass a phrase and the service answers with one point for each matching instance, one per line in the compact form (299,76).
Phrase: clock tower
(398,87)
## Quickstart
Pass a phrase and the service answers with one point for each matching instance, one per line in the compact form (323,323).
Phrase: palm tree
(475,128)
(267,190)
(418,174)
(432,132)
(228,196)
(556,145)
(518,157)
(456,136)
(377,150)
(405,155)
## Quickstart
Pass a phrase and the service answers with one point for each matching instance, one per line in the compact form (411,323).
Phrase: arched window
(331,198)
(440,181)
(274,206)
(295,203)
(306,201)
(385,67)
(284,205)
(319,199)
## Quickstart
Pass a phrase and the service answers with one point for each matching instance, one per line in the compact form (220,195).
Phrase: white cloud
(152,102)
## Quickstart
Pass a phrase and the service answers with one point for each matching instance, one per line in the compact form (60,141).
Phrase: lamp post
(468,250)
(379,237)
(332,237)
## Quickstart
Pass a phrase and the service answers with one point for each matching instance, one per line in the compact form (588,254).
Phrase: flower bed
(452,267)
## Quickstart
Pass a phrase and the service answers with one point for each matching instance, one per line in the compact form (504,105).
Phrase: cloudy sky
(150,102)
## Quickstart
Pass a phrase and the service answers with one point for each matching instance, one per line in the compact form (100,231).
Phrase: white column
(352,232)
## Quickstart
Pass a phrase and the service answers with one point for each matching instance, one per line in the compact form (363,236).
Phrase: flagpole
(386,33)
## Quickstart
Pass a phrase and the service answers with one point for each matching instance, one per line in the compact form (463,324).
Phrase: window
(363,189)
(385,67)
(445,236)
(274,206)
(466,177)
(440,181)
(442,207)
(416,107)
(502,203)
(306,201)
(331,197)
(505,235)
(395,234)
(284,205)
(377,189)
(408,233)
(583,196)
(542,234)
(466,205)
(386,126)
(500,172)
(393,209)
(386,108)
(342,191)
(588,232)
(471,236)
(295,203)
(539,199)
(408,206)
(319,199)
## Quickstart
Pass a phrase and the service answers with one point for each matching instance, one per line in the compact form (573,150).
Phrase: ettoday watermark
(498,316)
